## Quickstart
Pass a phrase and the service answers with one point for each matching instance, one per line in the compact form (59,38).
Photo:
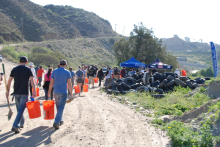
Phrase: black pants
(100,80)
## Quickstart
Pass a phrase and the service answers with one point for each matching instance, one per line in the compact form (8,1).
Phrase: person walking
(79,78)
(39,75)
(84,73)
(96,70)
(31,66)
(36,68)
(47,79)
(60,77)
(100,76)
(91,76)
(72,79)
(21,75)
(87,72)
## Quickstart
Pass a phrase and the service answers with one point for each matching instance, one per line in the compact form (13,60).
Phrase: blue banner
(214,59)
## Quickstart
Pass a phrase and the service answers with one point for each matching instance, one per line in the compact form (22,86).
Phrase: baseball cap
(63,62)
(23,59)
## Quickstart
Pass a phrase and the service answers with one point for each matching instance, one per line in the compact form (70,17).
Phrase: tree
(175,36)
(144,46)
(187,39)
(1,39)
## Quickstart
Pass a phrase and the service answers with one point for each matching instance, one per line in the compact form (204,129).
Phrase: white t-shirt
(34,74)
(109,74)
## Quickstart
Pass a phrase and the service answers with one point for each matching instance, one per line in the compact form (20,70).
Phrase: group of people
(58,82)
(25,77)
(116,73)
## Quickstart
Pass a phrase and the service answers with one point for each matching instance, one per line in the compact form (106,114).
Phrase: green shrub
(157,121)
(202,89)
(2,39)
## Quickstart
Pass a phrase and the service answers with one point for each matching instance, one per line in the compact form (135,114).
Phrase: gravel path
(91,119)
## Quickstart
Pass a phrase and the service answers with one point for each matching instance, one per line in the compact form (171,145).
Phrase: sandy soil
(91,119)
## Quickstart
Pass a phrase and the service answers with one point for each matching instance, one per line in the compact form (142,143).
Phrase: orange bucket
(183,73)
(96,80)
(85,88)
(86,80)
(48,107)
(77,90)
(34,109)
(37,91)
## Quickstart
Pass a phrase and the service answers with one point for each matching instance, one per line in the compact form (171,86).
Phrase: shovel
(6,88)
(70,100)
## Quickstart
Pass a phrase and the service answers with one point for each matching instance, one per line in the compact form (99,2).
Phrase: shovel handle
(6,87)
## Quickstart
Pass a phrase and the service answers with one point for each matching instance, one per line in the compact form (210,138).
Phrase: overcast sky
(196,19)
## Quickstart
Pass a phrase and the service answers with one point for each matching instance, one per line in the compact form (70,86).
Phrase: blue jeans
(40,80)
(60,99)
(46,92)
(20,101)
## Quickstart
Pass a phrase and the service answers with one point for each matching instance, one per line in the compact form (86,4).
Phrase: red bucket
(77,90)
(33,109)
(48,107)
(96,80)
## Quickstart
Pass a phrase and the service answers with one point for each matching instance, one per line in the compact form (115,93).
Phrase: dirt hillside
(92,119)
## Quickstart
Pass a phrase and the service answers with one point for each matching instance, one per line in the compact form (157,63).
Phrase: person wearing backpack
(91,75)
(79,78)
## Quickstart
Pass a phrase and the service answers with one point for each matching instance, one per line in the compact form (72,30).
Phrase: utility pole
(22,30)
(115,30)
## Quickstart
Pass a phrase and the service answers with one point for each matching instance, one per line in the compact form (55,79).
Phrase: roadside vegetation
(175,103)
(198,132)
(76,51)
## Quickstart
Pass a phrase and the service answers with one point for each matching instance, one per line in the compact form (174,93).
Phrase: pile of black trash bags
(158,83)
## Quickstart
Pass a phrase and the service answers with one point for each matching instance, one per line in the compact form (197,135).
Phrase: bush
(10,53)
(41,38)
(2,39)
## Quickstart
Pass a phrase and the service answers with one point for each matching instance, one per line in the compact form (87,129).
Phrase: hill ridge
(41,23)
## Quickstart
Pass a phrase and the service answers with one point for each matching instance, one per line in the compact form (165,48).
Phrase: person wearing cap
(31,66)
(59,79)
(36,68)
(79,78)
(40,75)
(21,75)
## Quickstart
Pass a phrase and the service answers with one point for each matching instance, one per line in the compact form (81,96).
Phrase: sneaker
(21,127)
(61,123)
(16,130)
(56,126)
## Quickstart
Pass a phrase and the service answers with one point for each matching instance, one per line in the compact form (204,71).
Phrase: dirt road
(92,119)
